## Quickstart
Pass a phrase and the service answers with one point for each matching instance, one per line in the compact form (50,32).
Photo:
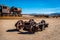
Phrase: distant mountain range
(55,14)
(52,14)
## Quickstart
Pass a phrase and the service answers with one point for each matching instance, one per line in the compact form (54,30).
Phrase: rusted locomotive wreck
(31,25)
(6,11)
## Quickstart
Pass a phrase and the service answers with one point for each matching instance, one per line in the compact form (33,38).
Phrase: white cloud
(42,10)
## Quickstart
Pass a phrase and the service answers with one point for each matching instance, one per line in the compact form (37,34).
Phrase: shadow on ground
(15,30)
(12,30)
(25,33)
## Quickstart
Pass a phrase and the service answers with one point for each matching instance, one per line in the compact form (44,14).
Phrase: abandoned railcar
(6,11)
(15,11)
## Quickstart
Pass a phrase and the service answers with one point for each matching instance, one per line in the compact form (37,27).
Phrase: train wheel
(33,30)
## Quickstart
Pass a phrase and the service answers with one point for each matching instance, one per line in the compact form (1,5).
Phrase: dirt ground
(50,33)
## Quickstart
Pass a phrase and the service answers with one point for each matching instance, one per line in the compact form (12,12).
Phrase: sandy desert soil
(50,33)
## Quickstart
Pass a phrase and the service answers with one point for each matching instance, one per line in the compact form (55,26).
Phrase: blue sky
(34,6)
